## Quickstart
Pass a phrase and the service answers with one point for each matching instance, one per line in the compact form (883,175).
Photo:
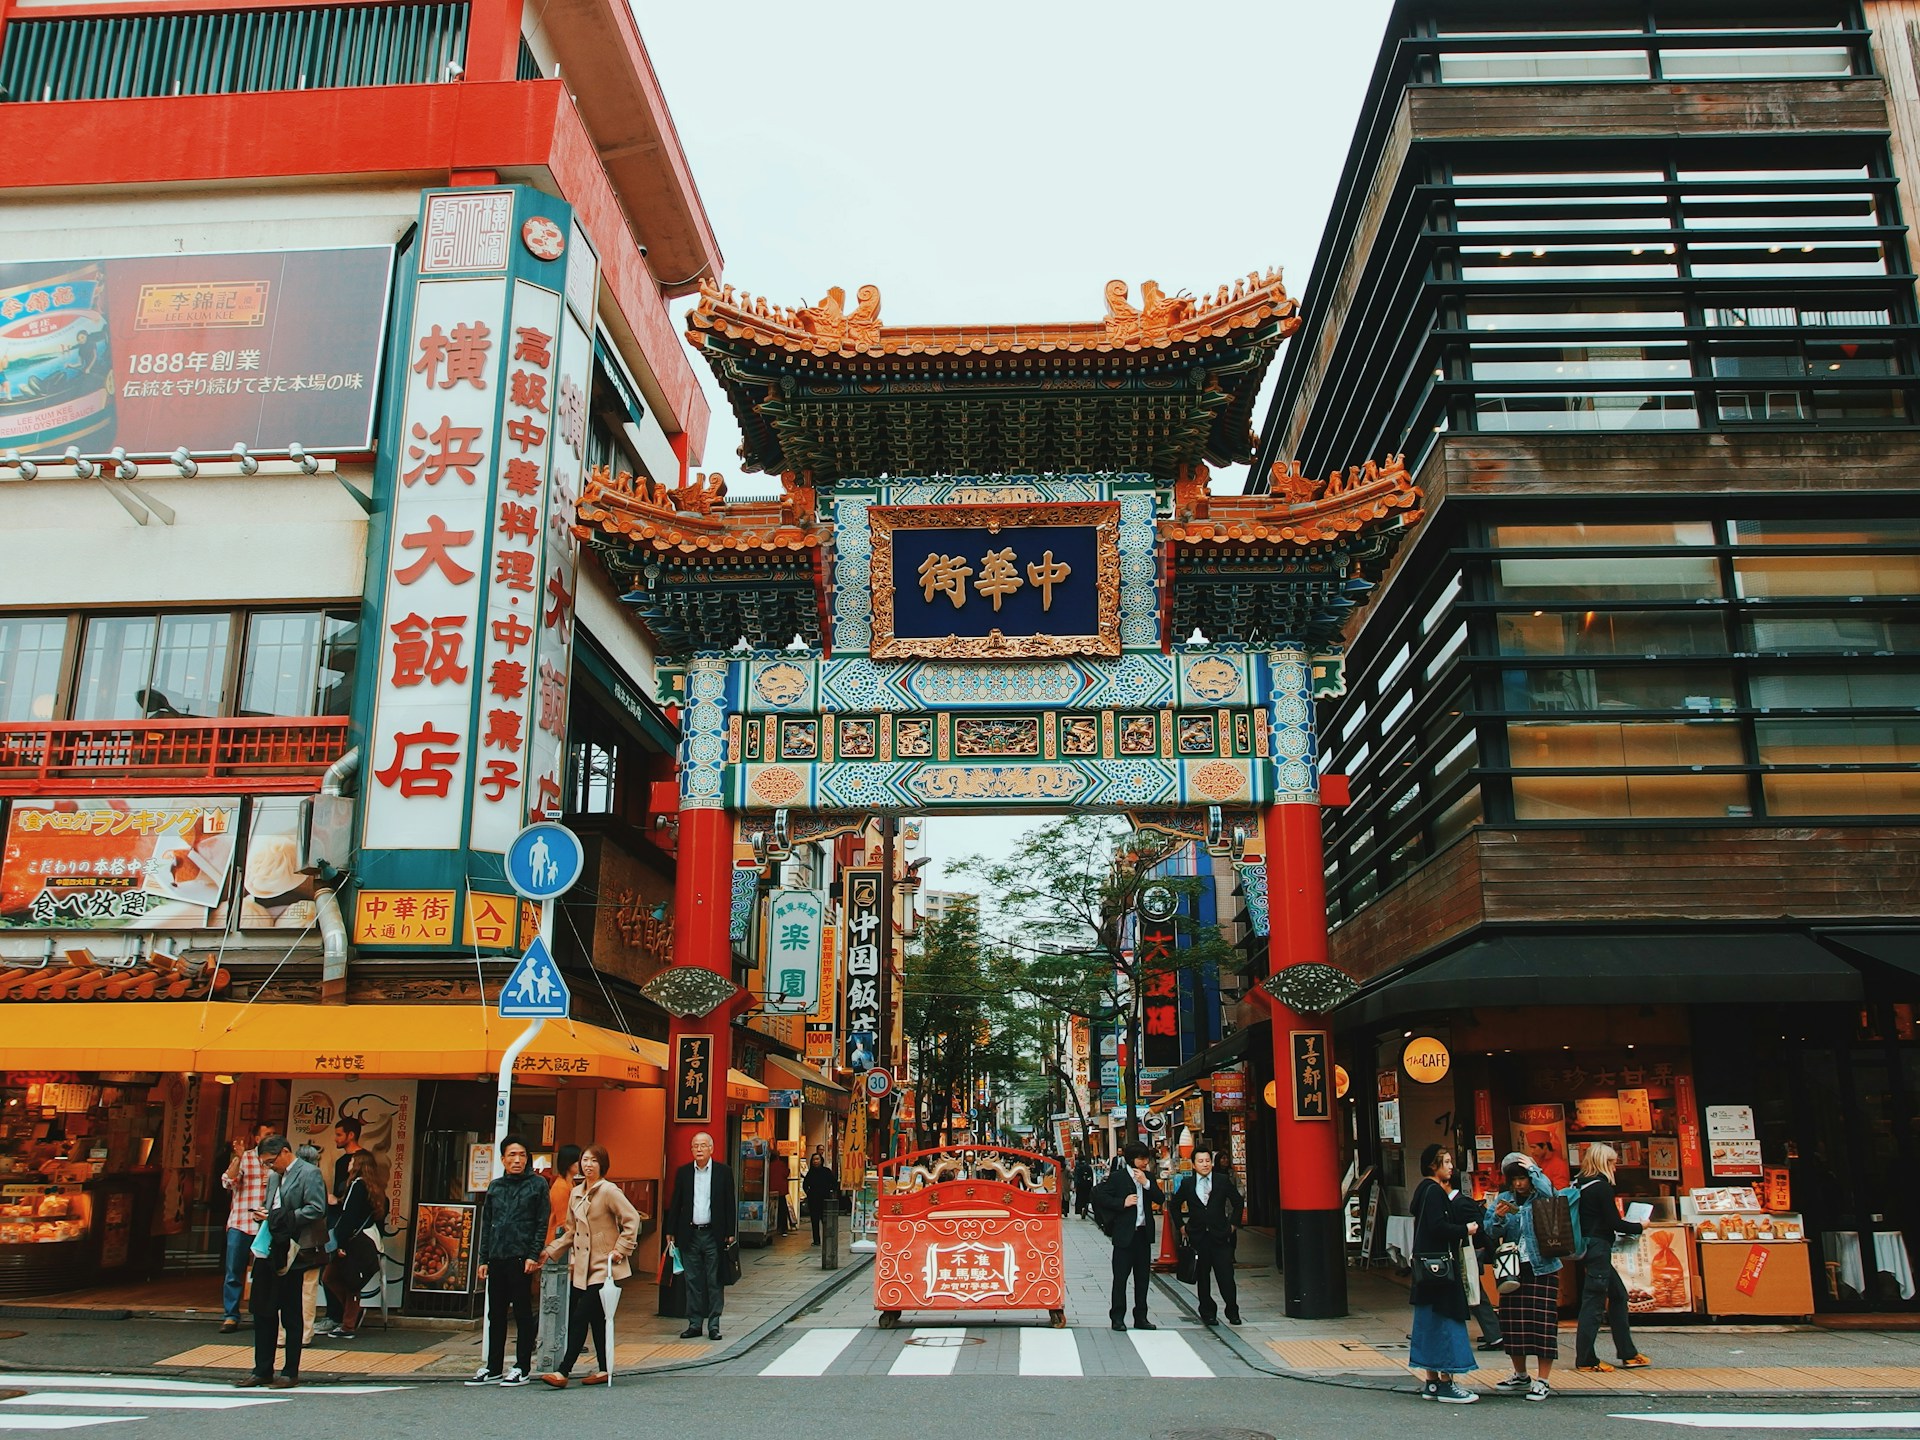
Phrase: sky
(998,161)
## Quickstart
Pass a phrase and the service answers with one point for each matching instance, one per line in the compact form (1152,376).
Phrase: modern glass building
(1632,729)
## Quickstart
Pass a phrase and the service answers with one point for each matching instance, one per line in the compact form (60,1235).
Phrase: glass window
(1562,177)
(1886,792)
(1569,262)
(1595,577)
(1824,532)
(1612,632)
(1519,67)
(1560,536)
(1545,412)
(1838,742)
(1609,797)
(299,663)
(1579,362)
(1781,576)
(1779,62)
(1454,821)
(1791,316)
(1699,688)
(1877,688)
(148,667)
(31,647)
(1578,745)
(1864,634)
(1569,312)
(1448,594)
(1455,643)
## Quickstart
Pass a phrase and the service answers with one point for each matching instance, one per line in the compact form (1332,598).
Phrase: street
(749,1397)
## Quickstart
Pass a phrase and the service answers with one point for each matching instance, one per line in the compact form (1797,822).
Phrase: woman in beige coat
(602,1230)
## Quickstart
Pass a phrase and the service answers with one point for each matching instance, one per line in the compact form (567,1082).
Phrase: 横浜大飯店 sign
(994,581)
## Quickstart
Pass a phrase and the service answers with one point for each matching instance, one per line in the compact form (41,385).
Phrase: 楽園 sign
(795,923)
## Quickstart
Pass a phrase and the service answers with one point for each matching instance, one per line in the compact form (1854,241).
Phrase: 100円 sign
(995,581)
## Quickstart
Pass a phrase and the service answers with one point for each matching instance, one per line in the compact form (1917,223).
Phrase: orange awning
(263,1039)
(744,1087)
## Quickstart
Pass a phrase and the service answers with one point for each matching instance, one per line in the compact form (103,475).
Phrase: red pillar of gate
(702,910)
(1311,1234)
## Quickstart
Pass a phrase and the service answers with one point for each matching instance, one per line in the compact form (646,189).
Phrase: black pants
(1213,1265)
(700,1255)
(1082,1200)
(1131,1256)
(277,1305)
(509,1289)
(584,1313)
(1602,1293)
(813,1214)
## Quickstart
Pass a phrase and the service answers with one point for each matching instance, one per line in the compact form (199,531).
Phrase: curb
(1249,1353)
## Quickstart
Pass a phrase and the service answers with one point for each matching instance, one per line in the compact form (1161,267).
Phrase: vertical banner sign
(1160,1011)
(1686,1109)
(518,544)
(554,649)
(795,919)
(864,918)
(1312,1075)
(421,739)
(693,1079)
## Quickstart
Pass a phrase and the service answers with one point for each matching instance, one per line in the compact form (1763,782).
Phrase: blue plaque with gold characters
(995,581)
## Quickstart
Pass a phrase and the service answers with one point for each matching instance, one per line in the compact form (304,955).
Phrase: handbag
(1186,1264)
(730,1262)
(1438,1266)
(1506,1267)
(1552,1225)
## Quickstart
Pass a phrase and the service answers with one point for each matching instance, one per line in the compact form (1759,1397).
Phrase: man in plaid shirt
(246,1180)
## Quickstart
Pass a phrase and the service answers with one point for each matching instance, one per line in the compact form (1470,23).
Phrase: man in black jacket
(1124,1206)
(513,1229)
(1206,1212)
(819,1187)
(702,1222)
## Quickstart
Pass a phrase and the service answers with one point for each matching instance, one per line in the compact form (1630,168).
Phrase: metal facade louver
(231,52)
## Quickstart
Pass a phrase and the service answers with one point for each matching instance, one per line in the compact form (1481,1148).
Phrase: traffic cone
(1168,1259)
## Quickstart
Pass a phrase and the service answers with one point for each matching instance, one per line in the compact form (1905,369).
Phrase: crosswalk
(945,1350)
(1844,1420)
(79,1402)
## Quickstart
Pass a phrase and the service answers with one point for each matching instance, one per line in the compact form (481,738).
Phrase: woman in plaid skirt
(1529,1315)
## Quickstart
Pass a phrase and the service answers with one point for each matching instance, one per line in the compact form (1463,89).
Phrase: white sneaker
(515,1376)
(1452,1392)
(1514,1384)
(1539,1390)
(484,1376)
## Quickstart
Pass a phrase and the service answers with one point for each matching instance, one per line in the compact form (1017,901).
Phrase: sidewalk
(1368,1348)
(101,1331)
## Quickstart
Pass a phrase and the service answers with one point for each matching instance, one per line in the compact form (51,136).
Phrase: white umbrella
(609,1302)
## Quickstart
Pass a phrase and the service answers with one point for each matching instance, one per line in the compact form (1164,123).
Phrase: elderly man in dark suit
(1206,1214)
(1123,1205)
(296,1231)
(701,1222)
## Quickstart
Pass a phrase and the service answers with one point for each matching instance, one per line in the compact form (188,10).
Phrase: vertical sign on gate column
(864,917)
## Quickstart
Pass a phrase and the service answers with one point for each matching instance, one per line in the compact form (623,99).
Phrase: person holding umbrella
(599,1241)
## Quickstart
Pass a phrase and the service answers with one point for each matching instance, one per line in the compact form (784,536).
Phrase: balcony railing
(260,756)
(229,52)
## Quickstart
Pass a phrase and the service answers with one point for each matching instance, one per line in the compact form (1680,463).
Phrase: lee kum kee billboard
(152,352)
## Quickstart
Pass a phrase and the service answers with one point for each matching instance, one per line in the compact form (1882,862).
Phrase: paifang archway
(972,594)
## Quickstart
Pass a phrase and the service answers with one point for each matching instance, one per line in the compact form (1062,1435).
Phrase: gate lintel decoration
(1012,590)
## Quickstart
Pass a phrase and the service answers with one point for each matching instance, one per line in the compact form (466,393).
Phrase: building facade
(1630,726)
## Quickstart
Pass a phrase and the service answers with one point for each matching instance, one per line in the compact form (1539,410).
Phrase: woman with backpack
(1442,1224)
(1529,1313)
(1603,1291)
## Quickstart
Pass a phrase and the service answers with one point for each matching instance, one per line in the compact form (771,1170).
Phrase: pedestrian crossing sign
(535,991)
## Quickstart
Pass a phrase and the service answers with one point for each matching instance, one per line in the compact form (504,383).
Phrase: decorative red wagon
(970,1228)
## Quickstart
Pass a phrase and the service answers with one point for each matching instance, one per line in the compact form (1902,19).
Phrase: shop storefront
(1765,1122)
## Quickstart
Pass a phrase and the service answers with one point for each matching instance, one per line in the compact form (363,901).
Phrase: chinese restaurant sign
(693,1079)
(468,730)
(152,352)
(96,864)
(795,920)
(991,581)
(1160,1012)
(1312,1075)
(863,910)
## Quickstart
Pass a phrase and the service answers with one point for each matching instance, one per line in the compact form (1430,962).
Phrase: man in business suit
(296,1227)
(1206,1214)
(1124,1205)
(700,1222)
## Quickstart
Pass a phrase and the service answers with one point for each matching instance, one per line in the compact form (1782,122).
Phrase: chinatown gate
(976,593)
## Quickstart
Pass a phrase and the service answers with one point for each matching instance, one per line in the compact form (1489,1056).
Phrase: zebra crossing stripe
(930,1359)
(1167,1355)
(19,1421)
(184,1387)
(1848,1420)
(1049,1352)
(68,1399)
(812,1353)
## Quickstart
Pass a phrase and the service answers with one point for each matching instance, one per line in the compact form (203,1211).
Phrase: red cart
(970,1228)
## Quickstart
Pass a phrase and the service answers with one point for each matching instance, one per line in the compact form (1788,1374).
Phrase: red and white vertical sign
(422,732)
(509,674)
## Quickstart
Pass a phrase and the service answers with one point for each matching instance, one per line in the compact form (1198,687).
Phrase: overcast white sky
(993,160)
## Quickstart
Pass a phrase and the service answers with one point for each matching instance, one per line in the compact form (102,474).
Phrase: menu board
(443,1249)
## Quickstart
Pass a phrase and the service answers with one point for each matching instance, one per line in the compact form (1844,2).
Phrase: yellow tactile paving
(1330,1355)
(366,1362)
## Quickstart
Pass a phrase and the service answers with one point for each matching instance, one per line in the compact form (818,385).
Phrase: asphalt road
(736,1400)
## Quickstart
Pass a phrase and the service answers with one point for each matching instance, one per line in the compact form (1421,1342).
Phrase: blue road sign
(544,861)
(535,991)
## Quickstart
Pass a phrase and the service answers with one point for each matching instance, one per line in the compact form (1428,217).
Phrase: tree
(958,1020)
(1064,903)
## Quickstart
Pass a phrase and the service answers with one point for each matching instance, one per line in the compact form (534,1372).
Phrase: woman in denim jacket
(1530,1315)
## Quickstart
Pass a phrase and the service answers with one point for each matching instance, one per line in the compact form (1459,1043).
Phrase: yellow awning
(741,1086)
(263,1039)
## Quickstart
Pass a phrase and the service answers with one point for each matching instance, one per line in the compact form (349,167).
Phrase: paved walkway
(1369,1347)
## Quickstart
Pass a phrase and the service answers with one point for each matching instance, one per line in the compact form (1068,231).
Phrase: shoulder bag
(1435,1265)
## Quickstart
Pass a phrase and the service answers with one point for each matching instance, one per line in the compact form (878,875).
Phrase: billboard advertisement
(153,352)
(99,864)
